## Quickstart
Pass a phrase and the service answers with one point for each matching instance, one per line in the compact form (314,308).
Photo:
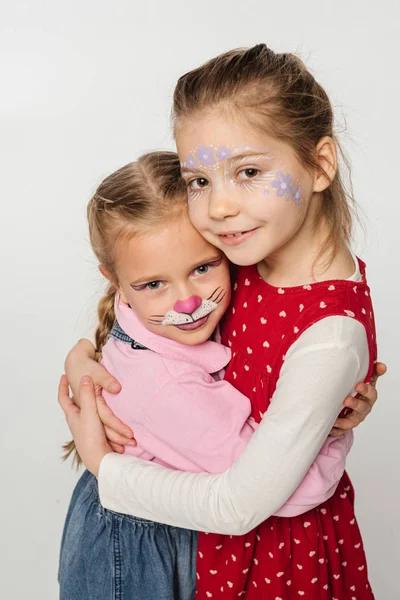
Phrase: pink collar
(210,356)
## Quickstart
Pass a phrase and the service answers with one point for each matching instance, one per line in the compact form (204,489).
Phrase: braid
(106,314)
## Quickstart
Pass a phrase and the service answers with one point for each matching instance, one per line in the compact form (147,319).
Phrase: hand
(80,362)
(361,405)
(118,434)
(85,424)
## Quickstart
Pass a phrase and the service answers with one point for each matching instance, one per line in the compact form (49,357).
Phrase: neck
(302,261)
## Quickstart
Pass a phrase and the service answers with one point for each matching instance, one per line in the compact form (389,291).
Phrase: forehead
(175,244)
(216,126)
(212,139)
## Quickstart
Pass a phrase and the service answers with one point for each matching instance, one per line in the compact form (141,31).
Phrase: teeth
(231,235)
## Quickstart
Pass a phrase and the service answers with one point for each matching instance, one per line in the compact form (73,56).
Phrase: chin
(192,341)
(244,258)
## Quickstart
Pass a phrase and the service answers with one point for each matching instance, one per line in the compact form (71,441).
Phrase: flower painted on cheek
(283,185)
(205,155)
(298,194)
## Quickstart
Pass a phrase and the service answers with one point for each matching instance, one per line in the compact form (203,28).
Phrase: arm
(208,422)
(321,479)
(193,424)
(80,362)
(274,462)
(181,415)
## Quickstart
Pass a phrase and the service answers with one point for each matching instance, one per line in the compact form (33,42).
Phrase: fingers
(367,390)
(117,448)
(103,378)
(110,421)
(336,432)
(88,398)
(66,402)
(116,438)
(380,368)
(362,405)
(347,423)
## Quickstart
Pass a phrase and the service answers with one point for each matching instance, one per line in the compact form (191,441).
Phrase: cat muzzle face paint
(191,313)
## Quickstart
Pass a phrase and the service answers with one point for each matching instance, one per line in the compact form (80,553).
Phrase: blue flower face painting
(248,193)
(217,162)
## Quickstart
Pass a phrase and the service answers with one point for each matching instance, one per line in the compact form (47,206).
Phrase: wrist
(96,466)
(82,350)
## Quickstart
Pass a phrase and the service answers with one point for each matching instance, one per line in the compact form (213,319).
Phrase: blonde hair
(130,201)
(276,93)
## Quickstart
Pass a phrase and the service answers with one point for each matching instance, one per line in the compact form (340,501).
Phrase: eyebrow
(198,263)
(232,160)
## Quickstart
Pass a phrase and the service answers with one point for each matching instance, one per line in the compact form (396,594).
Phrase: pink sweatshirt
(186,417)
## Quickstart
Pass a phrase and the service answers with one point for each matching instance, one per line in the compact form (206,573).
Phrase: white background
(86,87)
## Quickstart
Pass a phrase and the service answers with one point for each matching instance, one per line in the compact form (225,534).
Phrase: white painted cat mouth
(174,318)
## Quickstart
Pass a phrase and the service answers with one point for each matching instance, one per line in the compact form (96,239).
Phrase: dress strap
(119,334)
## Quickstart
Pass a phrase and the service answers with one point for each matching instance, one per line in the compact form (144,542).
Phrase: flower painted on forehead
(223,153)
(205,155)
(283,185)
(190,162)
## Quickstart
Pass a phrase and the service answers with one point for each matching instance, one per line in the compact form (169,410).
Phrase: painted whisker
(216,290)
(220,294)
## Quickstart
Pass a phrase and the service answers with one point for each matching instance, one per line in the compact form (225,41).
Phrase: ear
(326,156)
(106,273)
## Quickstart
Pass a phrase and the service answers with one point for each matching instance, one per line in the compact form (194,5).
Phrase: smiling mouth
(194,324)
(236,237)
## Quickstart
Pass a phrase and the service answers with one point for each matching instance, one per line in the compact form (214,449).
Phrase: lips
(194,324)
(234,238)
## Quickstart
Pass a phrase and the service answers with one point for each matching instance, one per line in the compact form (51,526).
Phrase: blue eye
(202,269)
(154,285)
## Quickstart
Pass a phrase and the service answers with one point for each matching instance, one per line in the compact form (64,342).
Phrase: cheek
(143,304)
(198,212)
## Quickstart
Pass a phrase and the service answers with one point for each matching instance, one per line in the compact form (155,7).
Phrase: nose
(189,305)
(222,204)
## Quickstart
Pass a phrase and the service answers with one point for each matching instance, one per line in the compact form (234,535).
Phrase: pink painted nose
(189,305)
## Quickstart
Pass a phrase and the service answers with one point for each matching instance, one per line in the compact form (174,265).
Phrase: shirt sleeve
(319,371)
(321,479)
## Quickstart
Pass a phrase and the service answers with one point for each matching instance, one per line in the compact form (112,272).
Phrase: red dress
(318,555)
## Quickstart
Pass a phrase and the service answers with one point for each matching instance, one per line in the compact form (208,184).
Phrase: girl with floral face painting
(254,133)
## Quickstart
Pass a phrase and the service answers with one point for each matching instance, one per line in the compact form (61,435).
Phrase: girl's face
(248,193)
(176,282)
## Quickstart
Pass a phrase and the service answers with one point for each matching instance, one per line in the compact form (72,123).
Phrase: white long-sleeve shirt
(320,369)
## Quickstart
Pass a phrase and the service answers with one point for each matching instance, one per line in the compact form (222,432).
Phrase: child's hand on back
(361,404)
(80,362)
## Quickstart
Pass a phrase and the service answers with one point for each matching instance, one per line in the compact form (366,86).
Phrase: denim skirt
(111,556)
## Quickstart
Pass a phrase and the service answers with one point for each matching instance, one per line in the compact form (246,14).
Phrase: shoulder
(122,361)
(336,333)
